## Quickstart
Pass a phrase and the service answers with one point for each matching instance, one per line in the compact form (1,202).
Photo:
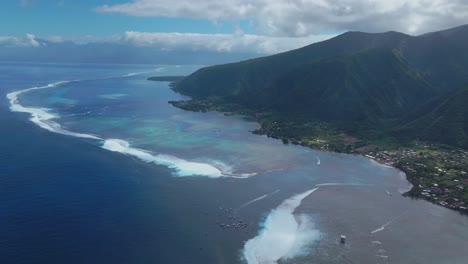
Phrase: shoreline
(398,157)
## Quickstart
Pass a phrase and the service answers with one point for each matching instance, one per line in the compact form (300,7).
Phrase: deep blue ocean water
(156,182)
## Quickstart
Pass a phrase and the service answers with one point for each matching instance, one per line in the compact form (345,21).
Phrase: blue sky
(69,18)
(259,26)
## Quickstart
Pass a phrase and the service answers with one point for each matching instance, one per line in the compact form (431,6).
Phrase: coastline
(399,157)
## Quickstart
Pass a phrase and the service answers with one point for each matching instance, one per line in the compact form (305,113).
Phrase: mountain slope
(441,56)
(261,72)
(367,87)
(444,119)
(356,81)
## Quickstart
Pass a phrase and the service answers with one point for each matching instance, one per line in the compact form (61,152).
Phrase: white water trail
(381,228)
(257,199)
(389,222)
(342,184)
(282,236)
(318,160)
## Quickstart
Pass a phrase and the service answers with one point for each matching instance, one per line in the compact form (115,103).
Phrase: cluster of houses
(445,196)
(445,185)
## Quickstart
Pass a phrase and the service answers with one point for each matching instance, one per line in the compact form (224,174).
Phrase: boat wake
(342,184)
(257,199)
(382,228)
(389,222)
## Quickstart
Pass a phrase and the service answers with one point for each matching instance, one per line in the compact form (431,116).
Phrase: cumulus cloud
(203,9)
(307,17)
(31,40)
(9,41)
(27,41)
(236,42)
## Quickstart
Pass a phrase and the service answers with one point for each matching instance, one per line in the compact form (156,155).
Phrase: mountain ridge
(357,81)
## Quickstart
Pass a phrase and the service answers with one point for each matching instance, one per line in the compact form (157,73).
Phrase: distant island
(394,98)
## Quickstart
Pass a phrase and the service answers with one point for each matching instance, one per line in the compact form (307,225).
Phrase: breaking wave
(44,119)
(283,235)
(182,167)
(40,116)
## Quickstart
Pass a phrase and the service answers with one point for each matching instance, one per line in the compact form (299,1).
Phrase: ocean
(97,167)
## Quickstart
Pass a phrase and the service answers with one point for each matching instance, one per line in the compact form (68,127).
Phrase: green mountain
(441,56)
(356,81)
(257,74)
(444,119)
(366,87)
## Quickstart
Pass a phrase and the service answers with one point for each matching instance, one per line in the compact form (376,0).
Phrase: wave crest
(44,119)
(181,166)
(282,236)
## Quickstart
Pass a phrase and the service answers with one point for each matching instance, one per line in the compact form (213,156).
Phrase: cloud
(31,40)
(236,42)
(9,41)
(27,41)
(203,9)
(308,17)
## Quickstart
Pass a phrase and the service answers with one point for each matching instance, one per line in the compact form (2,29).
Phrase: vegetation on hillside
(372,94)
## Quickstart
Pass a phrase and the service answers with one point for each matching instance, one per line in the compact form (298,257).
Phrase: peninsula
(394,98)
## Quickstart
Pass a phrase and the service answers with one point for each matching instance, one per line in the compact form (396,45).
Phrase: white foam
(282,236)
(241,175)
(306,235)
(44,119)
(40,116)
(318,160)
(181,166)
